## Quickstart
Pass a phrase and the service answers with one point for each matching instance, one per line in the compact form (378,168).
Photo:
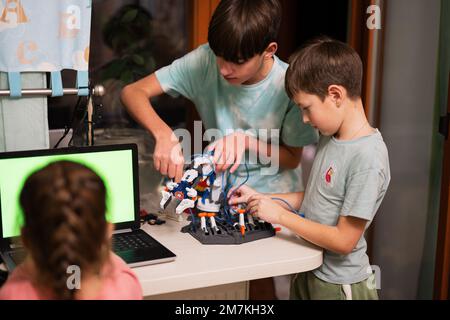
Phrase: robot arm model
(199,188)
(197,182)
(202,190)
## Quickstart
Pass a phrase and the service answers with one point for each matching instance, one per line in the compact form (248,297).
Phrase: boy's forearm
(288,158)
(327,237)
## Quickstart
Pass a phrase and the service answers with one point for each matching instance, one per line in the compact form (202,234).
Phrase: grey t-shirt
(348,178)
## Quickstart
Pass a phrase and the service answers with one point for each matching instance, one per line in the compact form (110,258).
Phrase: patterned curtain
(45,36)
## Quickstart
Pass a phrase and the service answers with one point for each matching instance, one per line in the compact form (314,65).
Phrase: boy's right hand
(168,157)
(240,195)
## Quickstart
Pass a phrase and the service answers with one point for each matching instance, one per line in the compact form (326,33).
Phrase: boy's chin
(233,81)
(326,133)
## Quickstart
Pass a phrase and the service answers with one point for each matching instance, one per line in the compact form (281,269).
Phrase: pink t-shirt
(119,283)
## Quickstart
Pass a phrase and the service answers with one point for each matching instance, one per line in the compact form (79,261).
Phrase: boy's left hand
(229,151)
(264,208)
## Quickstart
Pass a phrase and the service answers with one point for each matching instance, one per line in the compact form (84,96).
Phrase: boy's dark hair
(241,29)
(64,208)
(321,63)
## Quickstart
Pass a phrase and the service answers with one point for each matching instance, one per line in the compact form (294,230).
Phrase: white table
(214,267)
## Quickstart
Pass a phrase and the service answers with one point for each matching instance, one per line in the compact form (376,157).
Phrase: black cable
(81,121)
(67,128)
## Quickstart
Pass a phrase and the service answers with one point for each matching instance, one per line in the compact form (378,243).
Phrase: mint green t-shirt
(257,107)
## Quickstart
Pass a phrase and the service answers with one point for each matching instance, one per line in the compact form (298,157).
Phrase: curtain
(45,36)
(38,36)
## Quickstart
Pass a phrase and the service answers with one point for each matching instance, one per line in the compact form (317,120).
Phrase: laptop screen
(116,165)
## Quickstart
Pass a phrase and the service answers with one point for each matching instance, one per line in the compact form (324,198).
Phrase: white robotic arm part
(184,204)
(171,185)
(201,160)
(212,204)
(165,199)
(191,192)
(190,175)
(206,162)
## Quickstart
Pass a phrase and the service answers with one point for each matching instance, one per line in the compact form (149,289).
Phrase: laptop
(117,165)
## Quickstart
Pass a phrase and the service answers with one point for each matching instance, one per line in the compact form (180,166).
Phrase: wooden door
(369,45)
(200,13)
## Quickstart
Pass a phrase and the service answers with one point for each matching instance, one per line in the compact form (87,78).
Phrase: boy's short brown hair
(241,29)
(321,63)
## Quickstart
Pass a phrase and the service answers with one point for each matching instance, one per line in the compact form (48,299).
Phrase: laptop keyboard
(133,247)
(131,240)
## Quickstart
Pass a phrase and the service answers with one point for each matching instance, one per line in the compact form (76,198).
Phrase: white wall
(407,106)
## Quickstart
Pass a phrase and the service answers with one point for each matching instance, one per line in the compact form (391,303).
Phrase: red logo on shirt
(329,175)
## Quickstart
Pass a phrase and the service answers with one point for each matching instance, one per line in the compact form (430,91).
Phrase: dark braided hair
(64,208)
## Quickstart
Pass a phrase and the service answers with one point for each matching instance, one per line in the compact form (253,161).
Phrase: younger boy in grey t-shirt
(348,180)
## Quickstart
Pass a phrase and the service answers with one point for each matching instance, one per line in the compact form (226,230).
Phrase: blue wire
(231,184)
(225,188)
(290,207)
(223,194)
(193,220)
(244,182)
(192,215)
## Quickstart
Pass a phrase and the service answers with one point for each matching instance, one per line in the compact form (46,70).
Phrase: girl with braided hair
(65,229)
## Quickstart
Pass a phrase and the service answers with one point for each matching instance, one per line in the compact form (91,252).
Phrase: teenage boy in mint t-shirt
(236,83)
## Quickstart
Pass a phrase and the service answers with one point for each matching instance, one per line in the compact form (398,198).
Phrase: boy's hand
(264,208)
(168,157)
(229,151)
(240,195)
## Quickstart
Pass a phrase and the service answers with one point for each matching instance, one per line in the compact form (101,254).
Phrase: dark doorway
(305,20)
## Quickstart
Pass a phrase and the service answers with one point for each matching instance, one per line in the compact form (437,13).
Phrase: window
(129,40)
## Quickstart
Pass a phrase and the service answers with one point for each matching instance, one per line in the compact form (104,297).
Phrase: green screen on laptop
(114,167)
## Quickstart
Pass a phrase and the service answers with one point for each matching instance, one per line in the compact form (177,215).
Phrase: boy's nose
(225,72)
(225,69)
(305,119)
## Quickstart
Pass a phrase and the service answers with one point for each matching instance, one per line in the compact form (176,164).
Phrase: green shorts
(306,286)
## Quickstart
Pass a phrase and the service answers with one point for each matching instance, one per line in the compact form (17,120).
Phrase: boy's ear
(270,50)
(337,94)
